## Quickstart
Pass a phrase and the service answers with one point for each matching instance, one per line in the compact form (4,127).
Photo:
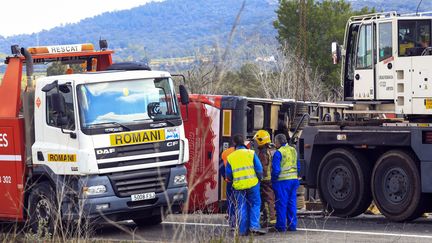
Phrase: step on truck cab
(105,144)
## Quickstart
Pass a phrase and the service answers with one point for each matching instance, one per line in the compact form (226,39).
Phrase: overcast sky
(25,17)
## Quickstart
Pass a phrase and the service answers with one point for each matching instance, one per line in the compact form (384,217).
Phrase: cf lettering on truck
(108,143)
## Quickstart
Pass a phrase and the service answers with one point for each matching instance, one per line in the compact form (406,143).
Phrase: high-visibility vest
(243,170)
(288,163)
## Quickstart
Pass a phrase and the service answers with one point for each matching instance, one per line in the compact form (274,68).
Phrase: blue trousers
(286,204)
(230,204)
(247,205)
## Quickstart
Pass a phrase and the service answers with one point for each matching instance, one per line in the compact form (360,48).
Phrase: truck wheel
(153,220)
(42,209)
(397,187)
(344,182)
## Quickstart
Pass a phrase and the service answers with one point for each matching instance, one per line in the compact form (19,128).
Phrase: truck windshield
(127,101)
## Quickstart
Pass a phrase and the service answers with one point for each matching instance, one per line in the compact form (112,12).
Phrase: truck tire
(396,186)
(43,209)
(153,220)
(344,182)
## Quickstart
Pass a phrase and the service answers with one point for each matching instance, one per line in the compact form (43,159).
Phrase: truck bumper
(111,206)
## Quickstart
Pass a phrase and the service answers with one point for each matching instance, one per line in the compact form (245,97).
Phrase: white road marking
(319,230)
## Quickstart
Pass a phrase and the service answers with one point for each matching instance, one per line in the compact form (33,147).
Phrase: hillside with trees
(176,28)
(171,28)
(393,5)
(240,47)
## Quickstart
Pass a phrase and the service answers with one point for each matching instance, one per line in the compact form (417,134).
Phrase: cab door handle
(357,76)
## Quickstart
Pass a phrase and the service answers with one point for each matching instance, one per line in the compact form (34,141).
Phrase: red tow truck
(105,144)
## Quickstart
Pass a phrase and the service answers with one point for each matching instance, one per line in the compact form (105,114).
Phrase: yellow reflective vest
(288,163)
(243,170)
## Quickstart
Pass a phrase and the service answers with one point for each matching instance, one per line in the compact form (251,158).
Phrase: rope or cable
(418,6)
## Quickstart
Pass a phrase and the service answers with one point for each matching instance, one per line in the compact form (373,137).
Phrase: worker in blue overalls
(245,171)
(285,183)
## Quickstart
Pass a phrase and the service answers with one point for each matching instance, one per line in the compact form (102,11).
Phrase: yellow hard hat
(262,137)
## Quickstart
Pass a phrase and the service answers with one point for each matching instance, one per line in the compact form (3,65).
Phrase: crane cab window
(414,37)
(364,48)
(385,41)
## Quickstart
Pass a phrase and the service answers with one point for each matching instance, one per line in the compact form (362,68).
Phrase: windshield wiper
(167,120)
(113,123)
(160,119)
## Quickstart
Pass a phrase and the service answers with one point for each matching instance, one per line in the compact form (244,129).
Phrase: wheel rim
(43,210)
(395,185)
(339,183)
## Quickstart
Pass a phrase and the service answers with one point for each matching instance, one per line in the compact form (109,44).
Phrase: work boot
(272,222)
(258,231)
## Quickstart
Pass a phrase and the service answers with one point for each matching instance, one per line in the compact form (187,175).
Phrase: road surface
(213,228)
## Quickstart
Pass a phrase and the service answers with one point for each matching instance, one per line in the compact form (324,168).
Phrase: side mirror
(61,121)
(50,86)
(153,109)
(336,53)
(64,88)
(184,95)
(58,103)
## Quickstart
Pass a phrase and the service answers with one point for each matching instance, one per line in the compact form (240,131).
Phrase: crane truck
(384,152)
(105,144)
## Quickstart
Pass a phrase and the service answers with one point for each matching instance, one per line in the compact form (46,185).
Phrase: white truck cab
(385,58)
(117,136)
(106,122)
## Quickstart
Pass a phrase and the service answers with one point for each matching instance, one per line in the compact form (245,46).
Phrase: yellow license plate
(147,136)
(428,103)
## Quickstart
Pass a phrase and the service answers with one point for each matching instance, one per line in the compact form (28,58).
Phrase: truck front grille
(140,181)
(117,164)
(139,149)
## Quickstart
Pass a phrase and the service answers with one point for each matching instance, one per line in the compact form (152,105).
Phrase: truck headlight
(180,179)
(94,190)
(184,151)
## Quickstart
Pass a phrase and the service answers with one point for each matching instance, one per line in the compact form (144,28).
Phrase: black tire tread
(45,189)
(414,210)
(363,169)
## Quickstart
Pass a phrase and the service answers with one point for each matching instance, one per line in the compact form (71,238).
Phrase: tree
(325,23)
(58,68)
(275,73)
(242,82)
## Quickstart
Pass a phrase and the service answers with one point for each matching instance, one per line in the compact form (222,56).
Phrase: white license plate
(143,196)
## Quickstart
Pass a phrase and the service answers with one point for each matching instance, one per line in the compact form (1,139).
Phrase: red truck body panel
(10,89)
(12,168)
(209,125)
(202,131)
